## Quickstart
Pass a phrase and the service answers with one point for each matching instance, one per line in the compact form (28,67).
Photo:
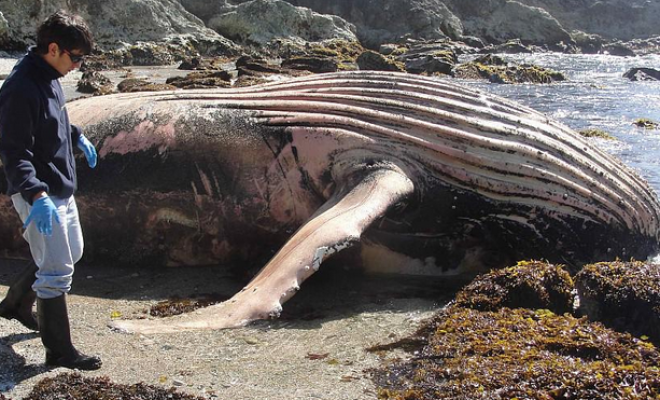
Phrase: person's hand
(88,148)
(42,213)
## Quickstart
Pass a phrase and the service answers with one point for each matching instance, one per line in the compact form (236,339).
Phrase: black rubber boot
(56,336)
(20,299)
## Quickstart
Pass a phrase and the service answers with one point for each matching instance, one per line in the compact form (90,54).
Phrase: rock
(646,123)
(387,21)
(622,19)
(248,65)
(316,64)
(95,82)
(117,24)
(429,64)
(429,57)
(598,133)
(498,21)
(623,295)
(327,55)
(203,63)
(496,70)
(141,85)
(588,43)
(514,46)
(370,60)
(618,49)
(205,10)
(643,47)
(4,31)
(201,80)
(642,74)
(260,21)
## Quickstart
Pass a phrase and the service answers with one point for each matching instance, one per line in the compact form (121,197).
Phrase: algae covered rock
(623,295)
(370,60)
(201,80)
(530,284)
(94,82)
(523,354)
(596,133)
(497,70)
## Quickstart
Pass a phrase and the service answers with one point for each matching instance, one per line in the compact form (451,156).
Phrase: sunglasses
(75,58)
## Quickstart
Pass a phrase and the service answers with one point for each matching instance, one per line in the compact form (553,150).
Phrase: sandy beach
(316,350)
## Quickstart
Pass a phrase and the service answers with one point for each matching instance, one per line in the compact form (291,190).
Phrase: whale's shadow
(338,290)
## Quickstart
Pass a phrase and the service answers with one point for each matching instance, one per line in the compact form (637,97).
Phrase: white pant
(54,255)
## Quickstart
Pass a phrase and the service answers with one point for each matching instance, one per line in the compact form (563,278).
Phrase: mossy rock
(646,123)
(316,64)
(201,79)
(203,63)
(597,133)
(530,284)
(623,295)
(73,386)
(370,60)
(141,85)
(95,83)
(508,73)
(343,49)
(522,354)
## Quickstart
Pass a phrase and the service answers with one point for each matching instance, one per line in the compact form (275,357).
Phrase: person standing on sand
(36,148)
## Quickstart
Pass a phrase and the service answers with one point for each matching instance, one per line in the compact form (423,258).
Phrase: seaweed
(73,386)
(623,295)
(530,284)
(523,354)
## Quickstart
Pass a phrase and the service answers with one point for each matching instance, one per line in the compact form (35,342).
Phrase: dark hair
(67,30)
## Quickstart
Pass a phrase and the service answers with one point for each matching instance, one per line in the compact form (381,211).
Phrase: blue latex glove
(88,148)
(43,211)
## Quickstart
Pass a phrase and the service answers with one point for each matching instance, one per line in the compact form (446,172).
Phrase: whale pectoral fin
(335,226)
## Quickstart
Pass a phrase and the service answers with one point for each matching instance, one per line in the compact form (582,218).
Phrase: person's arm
(19,111)
(84,145)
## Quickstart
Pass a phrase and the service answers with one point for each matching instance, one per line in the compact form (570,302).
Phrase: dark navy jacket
(36,138)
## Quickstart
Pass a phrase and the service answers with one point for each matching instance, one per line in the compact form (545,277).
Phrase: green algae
(646,123)
(598,133)
(497,70)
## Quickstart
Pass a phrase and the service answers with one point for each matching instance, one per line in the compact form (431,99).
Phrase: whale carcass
(424,174)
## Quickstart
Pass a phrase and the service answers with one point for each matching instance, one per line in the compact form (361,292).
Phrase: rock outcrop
(169,30)
(384,21)
(611,19)
(260,21)
(116,24)
(498,21)
(642,74)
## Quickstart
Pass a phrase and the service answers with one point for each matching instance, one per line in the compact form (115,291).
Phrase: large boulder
(116,23)
(4,29)
(499,21)
(261,21)
(611,19)
(383,21)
